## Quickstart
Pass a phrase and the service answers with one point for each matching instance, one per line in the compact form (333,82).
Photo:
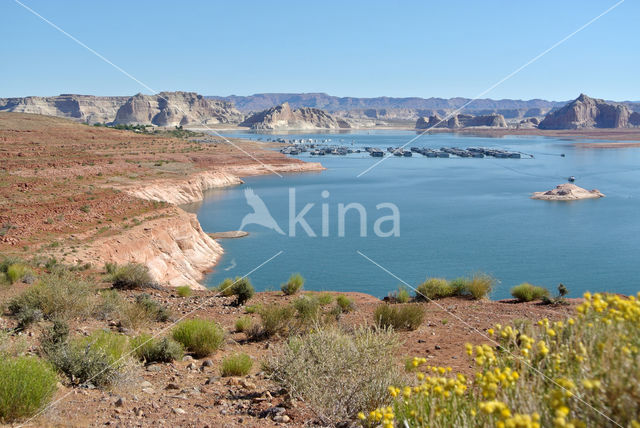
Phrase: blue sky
(344,48)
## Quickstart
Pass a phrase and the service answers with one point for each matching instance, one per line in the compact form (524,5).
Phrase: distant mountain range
(319,110)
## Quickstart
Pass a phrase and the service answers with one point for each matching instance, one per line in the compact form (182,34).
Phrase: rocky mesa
(175,109)
(82,108)
(461,121)
(587,112)
(284,117)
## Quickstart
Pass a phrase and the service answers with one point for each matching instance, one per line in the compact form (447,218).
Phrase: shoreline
(619,137)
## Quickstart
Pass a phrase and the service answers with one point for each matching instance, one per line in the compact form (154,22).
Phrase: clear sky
(345,48)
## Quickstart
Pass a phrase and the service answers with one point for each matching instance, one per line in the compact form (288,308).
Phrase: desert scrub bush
(307,309)
(236,365)
(198,336)
(460,285)
(344,303)
(100,359)
(274,319)
(526,292)
(27,385)
(184,291)
(131,275)
(149,349)
(480,285)
(435,288)
(225,288)
(337,373)
(324,299)
(16,272)
(293,285)
(151,309)
(561,373)
(558,299)
(400,317)
(56,296)
(110,268)
(401,295)
(243,290)
(243,324)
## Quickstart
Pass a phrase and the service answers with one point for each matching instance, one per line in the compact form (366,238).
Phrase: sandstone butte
(93,195)
(567,192)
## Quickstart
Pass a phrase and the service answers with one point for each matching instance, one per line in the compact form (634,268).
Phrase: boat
(571,179)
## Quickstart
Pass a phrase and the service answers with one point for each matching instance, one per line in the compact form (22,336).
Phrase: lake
(457,216)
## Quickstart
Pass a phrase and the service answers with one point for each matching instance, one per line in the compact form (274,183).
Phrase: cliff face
(284,117)
(462,121)
(587,112)
(174,248)
(175,109)
(84,108)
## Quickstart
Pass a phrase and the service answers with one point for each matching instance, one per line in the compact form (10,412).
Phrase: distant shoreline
(623,137)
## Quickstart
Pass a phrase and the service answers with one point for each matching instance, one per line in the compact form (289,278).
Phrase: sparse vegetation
(236,365)
(58,295)
(590,358)
(336,373)
(16,272)
(184,291)
(435,288)
(401,295)
(400,317)
(293,285)
(526,292)
(344,303)
(28,384)
(130,276)
(243,324)
(243,290)
(275,319)
(99,359)
(198,336)
(149,349)
(480,285)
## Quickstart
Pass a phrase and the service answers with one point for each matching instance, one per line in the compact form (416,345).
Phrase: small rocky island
(567,192)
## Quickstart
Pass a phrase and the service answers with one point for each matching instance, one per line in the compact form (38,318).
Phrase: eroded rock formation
(284,117)
(461,121)
(587,112)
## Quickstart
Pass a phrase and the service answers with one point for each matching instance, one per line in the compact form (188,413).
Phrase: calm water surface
(457,216)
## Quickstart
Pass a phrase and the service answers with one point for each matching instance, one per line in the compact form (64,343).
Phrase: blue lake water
(457,216)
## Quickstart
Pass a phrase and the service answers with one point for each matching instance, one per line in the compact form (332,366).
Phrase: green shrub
(236,365)
(243,324)
(295,284)
(100,359)
(225,288)
(198,336)
(110,268)
(16,272)
(184,291)
(559,299)
(149,349)
(243,290)
(435,288)
(27,385)
(131,275)
(526,292)
(56,296)
(402,295)
(324,299)
(344,303)
(307,308)
(480,285)
(400,317)
(252,309)
(275,319)
(336,373)
(460,285)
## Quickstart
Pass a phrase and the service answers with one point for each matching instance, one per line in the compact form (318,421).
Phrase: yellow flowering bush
(580,372)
